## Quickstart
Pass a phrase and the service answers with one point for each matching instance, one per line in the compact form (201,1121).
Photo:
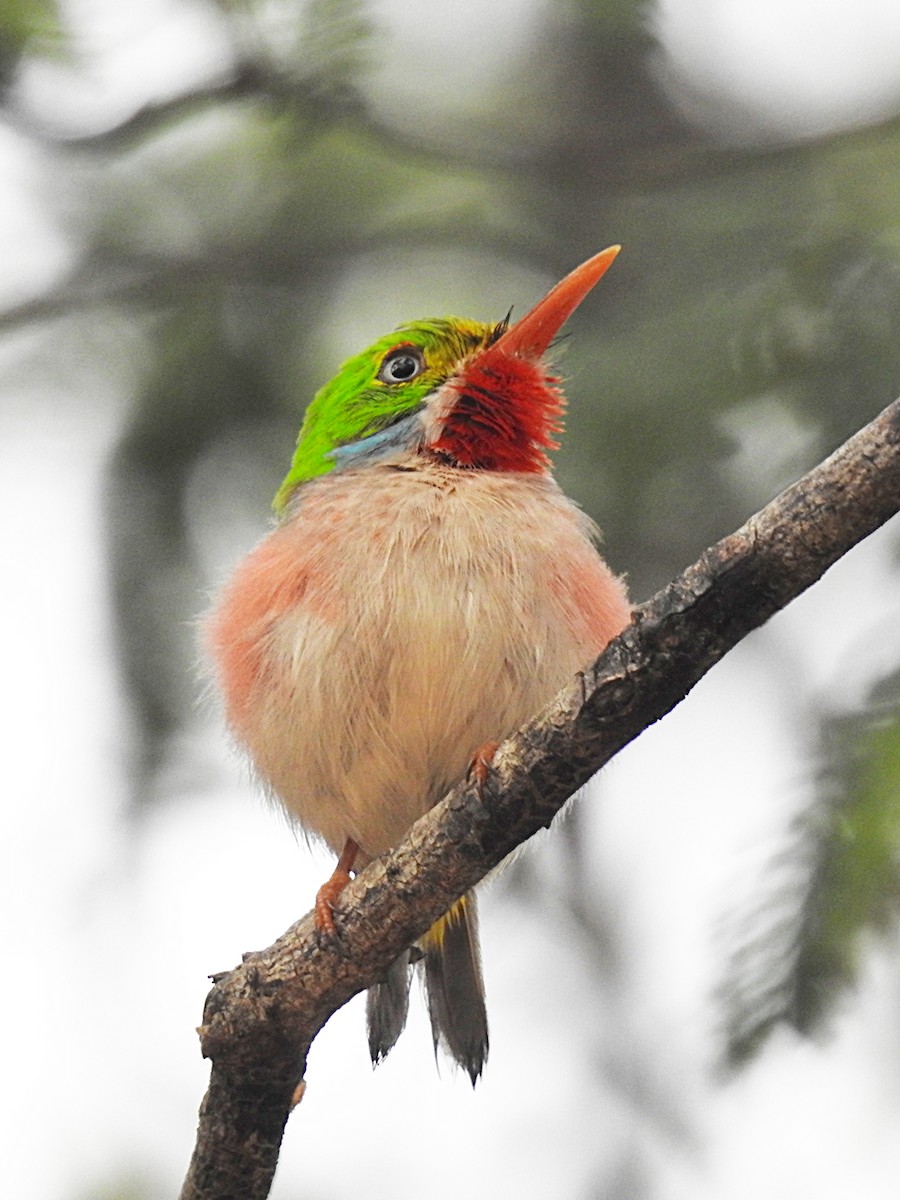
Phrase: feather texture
(428,589)
(454,987)
(402,616)
(387,1003)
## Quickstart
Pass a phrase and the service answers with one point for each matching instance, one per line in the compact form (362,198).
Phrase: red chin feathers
(506,413)
(508,408)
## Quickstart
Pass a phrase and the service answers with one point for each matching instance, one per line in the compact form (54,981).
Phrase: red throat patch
(507,411)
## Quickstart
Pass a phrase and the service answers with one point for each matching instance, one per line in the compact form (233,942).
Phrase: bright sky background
(104,1074)
(798,66)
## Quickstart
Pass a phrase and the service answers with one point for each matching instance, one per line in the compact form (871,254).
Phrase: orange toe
(330,892)
(327,897)
(480,763)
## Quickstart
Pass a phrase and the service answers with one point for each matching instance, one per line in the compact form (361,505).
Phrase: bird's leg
(480,764)
(330,891)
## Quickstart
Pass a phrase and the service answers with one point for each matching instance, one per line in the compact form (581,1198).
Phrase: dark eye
(401,365)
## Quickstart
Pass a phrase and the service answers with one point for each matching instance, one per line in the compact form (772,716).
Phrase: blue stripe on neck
(405,434)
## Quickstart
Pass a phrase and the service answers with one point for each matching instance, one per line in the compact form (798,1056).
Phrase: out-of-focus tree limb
(319,103)
(261,1018)
(155,280)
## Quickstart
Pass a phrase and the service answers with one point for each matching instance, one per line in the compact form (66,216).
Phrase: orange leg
(330,891)
(480,764)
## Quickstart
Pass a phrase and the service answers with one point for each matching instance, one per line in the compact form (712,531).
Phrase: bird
(425,589)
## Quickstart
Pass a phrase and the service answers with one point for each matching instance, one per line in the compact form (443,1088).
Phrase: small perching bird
(427,588)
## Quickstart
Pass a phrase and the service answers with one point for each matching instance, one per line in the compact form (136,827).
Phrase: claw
(480,764)
(330,892)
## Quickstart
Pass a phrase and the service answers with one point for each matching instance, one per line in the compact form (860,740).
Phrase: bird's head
(473,395)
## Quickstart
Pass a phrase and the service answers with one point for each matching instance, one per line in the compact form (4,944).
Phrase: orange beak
(530,337)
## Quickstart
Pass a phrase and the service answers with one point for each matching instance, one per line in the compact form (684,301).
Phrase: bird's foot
(327,897)
(480,764)
(330,892)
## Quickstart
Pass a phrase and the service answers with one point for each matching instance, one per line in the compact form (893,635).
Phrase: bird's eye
(401,364)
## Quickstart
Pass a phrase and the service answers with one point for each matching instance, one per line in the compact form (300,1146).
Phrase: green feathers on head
(357,403)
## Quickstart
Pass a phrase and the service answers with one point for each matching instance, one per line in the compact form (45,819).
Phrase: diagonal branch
(261,1018)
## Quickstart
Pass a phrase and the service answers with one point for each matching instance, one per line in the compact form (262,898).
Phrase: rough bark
(261,1018)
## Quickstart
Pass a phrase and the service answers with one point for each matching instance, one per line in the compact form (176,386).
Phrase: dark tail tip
(455,987)
(387,1003)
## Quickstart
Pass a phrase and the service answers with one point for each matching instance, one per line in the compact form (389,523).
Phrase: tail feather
(455,987)
(387,1003)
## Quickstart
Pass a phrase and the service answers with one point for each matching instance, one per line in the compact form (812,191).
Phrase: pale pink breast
(396,622)
(284,571)
(593,600)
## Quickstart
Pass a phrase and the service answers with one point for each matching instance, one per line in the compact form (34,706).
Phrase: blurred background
(205,206)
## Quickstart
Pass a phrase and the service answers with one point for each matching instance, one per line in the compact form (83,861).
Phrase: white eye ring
(401,364)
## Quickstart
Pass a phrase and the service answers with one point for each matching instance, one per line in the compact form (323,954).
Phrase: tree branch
(261,1018)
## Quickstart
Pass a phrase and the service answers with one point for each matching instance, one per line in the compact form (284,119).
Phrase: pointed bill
(531,336)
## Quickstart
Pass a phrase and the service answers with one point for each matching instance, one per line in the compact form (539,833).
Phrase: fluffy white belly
(418,614)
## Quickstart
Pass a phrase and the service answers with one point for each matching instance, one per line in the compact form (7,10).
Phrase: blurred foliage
(752,323)
(838,884)
(28,27)
(858,885)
